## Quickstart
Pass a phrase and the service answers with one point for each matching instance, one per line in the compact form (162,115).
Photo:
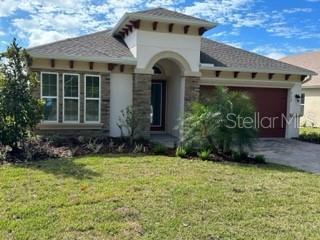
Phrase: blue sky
(274,28)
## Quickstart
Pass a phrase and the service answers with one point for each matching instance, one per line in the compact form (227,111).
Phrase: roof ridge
(68,39)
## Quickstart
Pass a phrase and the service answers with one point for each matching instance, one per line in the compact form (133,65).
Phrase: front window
(92,98)
(49,94)
(71,94)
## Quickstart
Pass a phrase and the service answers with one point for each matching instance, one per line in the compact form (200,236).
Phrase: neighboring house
(310,101)
(157,61)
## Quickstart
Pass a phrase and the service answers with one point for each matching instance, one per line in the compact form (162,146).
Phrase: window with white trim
(92,98)
(49,95)
(302,104)
(71,97)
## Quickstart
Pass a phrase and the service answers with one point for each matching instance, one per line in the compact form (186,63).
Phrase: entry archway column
(192,90)
(141,101)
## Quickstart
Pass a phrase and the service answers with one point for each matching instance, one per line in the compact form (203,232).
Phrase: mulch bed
(39,148)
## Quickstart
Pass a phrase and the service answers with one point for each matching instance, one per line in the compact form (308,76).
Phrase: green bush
(212,124)
(204,154)
(240,156)
(260,159)
(310,137)
(20,111)
(159,149)
(181,152)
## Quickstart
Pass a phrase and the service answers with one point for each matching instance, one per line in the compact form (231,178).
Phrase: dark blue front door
(158,103)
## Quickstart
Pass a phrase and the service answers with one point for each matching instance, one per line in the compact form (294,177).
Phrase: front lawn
(151,197)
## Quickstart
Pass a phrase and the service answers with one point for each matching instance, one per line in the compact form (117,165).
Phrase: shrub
(138,148)
(211,124)
(19,110)
(94,146)
(313,137)
(260,159)
(4,152)
(159,149)
(240,157)
(204,154)
(129,124)
(181,152)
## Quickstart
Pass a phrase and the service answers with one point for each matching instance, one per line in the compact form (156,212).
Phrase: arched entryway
(162,90)
(167,96)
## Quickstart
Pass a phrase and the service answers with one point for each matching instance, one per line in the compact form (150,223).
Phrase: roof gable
(165,13)
(161,15)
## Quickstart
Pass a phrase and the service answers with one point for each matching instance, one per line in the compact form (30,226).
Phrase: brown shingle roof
(310,60)
(96,45)
(222,55)
(103,45)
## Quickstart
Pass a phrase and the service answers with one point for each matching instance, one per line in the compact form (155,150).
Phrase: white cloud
(7,7)
(48,21)
(221,11)
(277,52)
(234,44)
(2,33)
(54,19)
(276,55)
(39,37)
(297,10)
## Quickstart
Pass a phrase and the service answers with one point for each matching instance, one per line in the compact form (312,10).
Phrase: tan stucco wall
(312,107)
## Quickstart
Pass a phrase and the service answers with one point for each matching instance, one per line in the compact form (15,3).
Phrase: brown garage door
(270,103)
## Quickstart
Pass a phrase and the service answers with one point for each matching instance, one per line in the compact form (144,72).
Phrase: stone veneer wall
(192,90)
(142,101)
(80,129)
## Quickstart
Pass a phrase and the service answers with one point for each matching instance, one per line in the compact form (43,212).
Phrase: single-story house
(157,62)
(310,100)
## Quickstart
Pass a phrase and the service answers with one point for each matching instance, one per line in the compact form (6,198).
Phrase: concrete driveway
(294,153)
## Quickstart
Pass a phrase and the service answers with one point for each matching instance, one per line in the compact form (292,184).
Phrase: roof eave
(121,60)
(236,69)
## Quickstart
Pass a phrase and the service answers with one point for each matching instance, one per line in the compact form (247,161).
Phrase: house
(158,62)
(310,100)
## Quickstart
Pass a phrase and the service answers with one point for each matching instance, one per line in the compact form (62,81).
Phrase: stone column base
(192,90)
(142,101)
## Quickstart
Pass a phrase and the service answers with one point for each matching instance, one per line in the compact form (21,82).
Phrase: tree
(213,124)
(20,111)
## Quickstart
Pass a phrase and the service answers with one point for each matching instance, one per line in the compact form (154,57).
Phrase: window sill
(52,126)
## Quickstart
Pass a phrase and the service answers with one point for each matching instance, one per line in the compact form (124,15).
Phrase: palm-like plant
(213,124)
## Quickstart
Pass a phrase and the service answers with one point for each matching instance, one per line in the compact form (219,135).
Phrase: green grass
(308,130)
(154,197)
